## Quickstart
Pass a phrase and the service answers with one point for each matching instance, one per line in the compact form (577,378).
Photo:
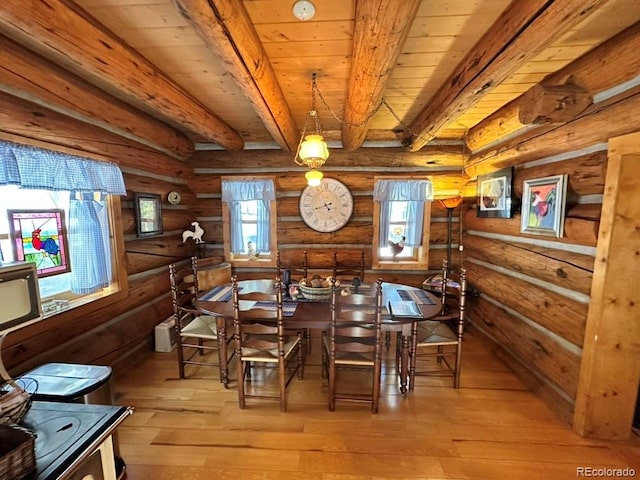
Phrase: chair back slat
(260,338)
(196,334)
(346,268)
(355,338)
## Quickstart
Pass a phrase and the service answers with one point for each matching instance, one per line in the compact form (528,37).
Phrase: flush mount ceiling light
(312,150)
(304,10)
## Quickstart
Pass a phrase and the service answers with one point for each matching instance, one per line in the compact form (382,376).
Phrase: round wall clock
(173,198)
(327,207)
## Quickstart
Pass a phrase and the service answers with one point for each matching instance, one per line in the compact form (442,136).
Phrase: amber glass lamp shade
(452,202)
(313,148)
(314,177)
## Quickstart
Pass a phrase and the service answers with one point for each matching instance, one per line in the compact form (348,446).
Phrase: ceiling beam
(66,34)
(227,29)
(520,33)
(31,77)
(542,104)
(430,157)
(618,56)
(28,123)
(381,28)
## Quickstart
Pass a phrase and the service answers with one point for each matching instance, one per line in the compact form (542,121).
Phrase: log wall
(104,332)
(536,291)
(295,237)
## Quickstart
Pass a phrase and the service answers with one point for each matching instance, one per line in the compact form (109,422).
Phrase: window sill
(399,265)
(259,262)
(52,306)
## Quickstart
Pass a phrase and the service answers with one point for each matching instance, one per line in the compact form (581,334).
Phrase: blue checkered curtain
(415,193)
(89,182)
(89,242)
(32,167)
(235,191)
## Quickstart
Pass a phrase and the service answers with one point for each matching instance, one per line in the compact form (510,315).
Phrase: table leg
(404,362)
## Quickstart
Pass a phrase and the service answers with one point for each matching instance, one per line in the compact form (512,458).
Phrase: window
(56,211)
(402,213)
(249,219)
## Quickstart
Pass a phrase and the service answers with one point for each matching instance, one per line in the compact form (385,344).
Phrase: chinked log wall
(92,334)
(357,170)
(535,291)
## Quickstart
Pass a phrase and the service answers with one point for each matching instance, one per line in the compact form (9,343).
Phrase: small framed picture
(148,208)
(543,205)
(494,194)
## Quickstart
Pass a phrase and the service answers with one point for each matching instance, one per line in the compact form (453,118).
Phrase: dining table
(403,308)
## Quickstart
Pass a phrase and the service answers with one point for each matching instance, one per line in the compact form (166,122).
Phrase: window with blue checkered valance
(88,183)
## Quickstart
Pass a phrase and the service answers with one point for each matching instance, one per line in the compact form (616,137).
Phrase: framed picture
(40,236)
(148,214)
(543,205)
(494,194)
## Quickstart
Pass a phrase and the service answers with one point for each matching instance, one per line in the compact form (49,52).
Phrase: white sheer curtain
(415,193)
(236,191)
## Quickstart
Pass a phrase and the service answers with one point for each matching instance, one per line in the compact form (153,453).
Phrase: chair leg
(413,354)
(180,356)
(332,385)
(324,366)
(282,381)
(456,377)
(223,355)
(240,372)
(301,360)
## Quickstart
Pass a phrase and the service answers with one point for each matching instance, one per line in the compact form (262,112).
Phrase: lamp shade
(314,148)
(313,177)
(451,202)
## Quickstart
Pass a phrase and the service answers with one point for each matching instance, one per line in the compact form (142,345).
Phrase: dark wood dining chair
(354,341)
(297,272)
(436,348)
(346,268)
(260,340)
(197,335)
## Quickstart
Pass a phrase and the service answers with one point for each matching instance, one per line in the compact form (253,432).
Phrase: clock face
(327,207)
(173,198)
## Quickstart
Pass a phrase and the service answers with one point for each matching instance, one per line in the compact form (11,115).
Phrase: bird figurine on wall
(396,248)
(195,234)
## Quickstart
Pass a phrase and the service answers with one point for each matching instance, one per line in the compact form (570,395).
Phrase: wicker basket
(15,400)
(316,293)
(17,452)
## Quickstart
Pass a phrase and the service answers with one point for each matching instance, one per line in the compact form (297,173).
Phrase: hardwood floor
(491,428)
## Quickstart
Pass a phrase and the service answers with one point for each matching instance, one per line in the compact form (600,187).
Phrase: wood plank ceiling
(237,72)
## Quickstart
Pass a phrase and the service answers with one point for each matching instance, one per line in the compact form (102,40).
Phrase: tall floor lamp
(450,204)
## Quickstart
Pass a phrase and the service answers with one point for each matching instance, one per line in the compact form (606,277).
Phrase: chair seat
(271,355)
(431,332)
(203,326)
(356,359)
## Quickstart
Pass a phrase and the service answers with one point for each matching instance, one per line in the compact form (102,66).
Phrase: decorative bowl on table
(316,288)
